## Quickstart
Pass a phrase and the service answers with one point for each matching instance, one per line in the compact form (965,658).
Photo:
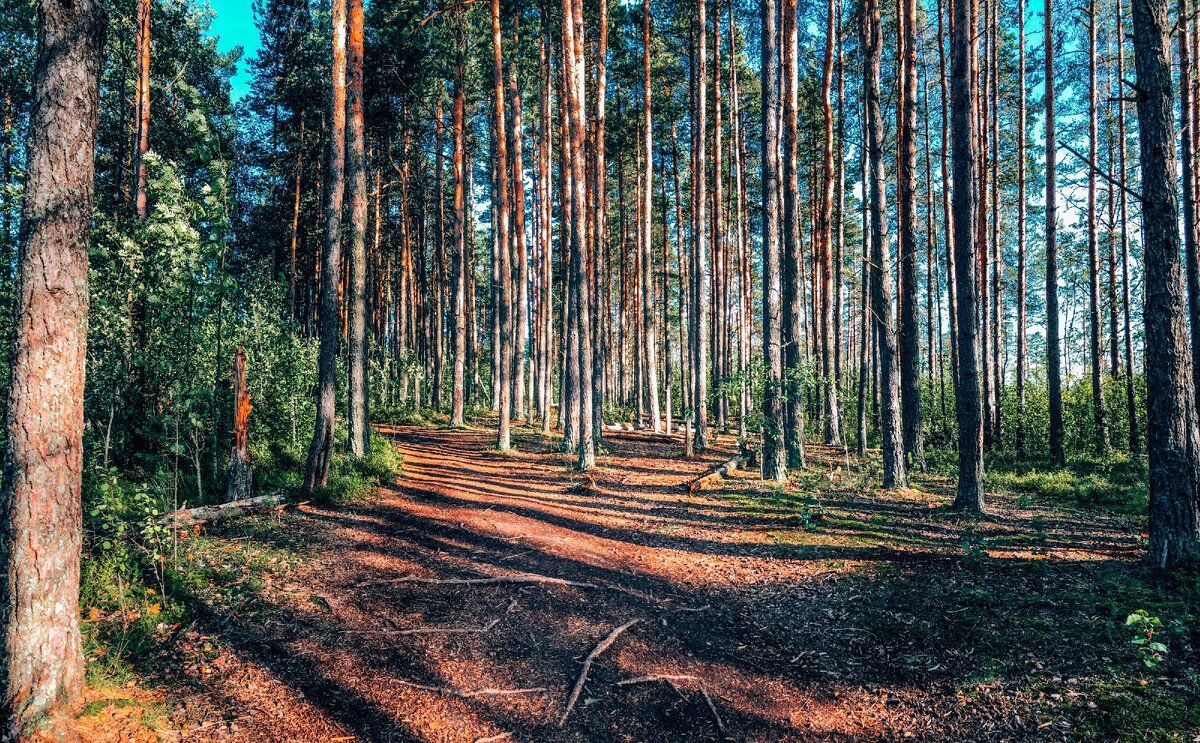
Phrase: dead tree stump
(238,484)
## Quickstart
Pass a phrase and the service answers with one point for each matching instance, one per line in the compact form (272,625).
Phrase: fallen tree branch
(487,692)
(605,644)
(671,679)
(494,738)
(717,473)
(515,578)
(426,630)
(186,517)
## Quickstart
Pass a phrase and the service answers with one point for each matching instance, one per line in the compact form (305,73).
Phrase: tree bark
(238,482)
(1053,335)
(894,471)
(320,451)
(359,428)
(774,451)
(504,351)
(700,254)
(140,202)
(968,406)
(1097,356)
(461,267)
(793,285)
(909,332)
(1171,414)
(40,509)
(1022,320)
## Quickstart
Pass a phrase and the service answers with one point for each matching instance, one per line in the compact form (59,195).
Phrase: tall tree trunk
(439,245)
(1171,412)
(1053,335)
(597,282)
(909,329)
(1187,154)
(649,321)
(894,473)
(700,254)
(238,478)
(793,286)
(504,352)
(520,244)
(827,320)
(947,211)
(545,125)
(968,406)
(774,451)
(320,451)
(1022,321)
(1097,357)
(142,146)
(40,504)
(1130,396)
(458,394)
(359,427)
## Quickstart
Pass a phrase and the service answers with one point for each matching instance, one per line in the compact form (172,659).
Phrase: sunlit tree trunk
(793,286)
(774,451)
(42,672)
(142,145)
(649,315)
(1097,354)
(908,331)
(504,341)
(320,451)
(358,421)
(1053,335)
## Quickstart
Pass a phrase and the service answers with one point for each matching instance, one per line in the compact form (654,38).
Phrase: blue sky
(234,26)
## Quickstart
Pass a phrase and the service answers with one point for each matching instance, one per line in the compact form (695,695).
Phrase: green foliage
(354,479)
(1115,483)
(1145,628)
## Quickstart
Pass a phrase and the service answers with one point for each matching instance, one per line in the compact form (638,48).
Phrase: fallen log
(187,517)
(717,473)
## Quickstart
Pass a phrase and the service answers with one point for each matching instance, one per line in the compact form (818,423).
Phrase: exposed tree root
(672,679)
(426,630)
(605,644)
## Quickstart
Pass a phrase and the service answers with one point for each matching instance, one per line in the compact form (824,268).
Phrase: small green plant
(1145,628)
(974,547)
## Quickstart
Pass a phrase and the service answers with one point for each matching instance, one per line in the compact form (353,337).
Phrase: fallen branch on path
(494,738)
(717,473)
(426,630)
(515,578)
(672,679)
(488,692)
(186,517)
(605,644)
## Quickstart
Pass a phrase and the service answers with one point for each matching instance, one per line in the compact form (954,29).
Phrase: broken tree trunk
(238,483)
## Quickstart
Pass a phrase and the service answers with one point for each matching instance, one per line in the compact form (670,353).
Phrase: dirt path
(836,621)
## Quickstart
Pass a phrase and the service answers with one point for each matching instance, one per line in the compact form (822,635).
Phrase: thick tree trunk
(320,451)
(1171,413)
(359,429)
(968,406)
(40,508)
(774,451)
(894,472)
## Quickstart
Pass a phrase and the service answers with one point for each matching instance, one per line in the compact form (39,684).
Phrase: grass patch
(1116,484)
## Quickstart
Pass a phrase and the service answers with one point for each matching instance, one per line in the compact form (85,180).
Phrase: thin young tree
(461,266)
(968,405)
(320,451)
(503,351)
(42,671)
(700,252)
(827,318)
(649,314)
(1022,272)
(358,421)
(1174,469)
(1053,334)
(140,201)
(1096,353)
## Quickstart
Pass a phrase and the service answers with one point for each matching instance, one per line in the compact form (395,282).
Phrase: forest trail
(798,619)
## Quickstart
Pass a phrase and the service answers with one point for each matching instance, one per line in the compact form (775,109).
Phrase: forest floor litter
(490,596)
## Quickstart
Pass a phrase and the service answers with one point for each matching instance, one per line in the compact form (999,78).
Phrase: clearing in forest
(464,602)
